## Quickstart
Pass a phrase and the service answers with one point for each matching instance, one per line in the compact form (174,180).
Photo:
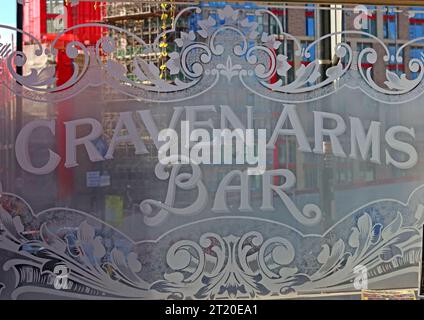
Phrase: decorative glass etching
(88,209)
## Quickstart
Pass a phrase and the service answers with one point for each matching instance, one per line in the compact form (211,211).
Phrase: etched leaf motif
(307,73)
(392,228)
(324,254)
(206,26)
(228,12)
(8,222)
(335,71)
(146,71)
(133,263)
(17,222)
(179,42)
(173,64)
(361,233)
(364,225)
(46,76)
(282,65)
(51,239)
(330,258)
(354,238)
(252,25)
(116,69)
(393,81)
(396,82)
(118,258)
(186,38)
(270,41)
(419,214)
(85,232)
(98,249)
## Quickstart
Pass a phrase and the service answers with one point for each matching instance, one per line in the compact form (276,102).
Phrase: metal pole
(18,115)
(19,48)
(325,60)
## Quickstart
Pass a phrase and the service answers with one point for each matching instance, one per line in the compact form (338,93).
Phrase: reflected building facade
(129,177)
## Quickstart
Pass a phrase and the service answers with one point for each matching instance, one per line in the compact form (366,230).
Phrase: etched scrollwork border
(202,58)
(208,259)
